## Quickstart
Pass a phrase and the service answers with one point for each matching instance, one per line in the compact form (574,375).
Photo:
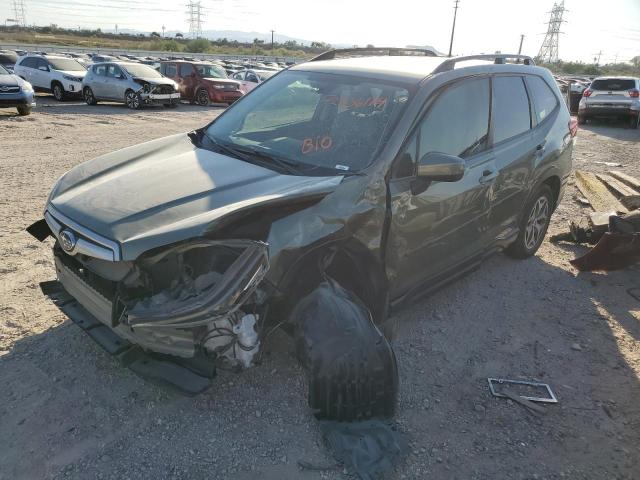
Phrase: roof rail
(370,52)
(498,58)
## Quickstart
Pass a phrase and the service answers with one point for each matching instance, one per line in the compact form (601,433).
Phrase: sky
(483,26)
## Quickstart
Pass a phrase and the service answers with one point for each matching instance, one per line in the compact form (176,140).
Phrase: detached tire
(533,225)
(351,366)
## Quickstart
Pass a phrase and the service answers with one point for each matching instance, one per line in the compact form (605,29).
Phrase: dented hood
(169,190)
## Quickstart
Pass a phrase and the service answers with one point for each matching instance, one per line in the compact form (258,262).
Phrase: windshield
(66,64)
(613,84)
(315,120)
(143,71)
(3,71)
(211,71)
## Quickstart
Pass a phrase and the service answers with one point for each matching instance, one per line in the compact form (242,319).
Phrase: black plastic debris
(351,366)
(368,449)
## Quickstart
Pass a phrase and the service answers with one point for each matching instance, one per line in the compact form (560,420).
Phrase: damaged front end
(151,93)
(198,304)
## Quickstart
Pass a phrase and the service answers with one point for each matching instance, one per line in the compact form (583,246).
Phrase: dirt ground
(68,410)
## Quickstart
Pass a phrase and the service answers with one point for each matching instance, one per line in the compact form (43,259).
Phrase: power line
(194,19)
(549,49)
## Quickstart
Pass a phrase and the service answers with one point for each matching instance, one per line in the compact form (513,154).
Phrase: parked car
(8,59)
(202,83)
(16,92)
(61,76)
(250,79)
(134,84)
(96,58)
(617,97)
(341,188)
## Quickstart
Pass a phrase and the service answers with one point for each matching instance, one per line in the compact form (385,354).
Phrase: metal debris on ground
(505,388)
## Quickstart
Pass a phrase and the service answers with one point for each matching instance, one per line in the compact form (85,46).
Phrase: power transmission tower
(195,16)
(18,13)
(453,28)
(549,49)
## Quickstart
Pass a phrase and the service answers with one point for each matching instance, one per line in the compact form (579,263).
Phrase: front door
(441,225)
(188,81)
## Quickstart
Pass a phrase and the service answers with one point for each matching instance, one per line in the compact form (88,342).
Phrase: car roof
(407,68)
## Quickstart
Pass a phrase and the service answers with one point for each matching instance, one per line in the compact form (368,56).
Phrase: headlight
(72,78)
(27,87)
(194,283)
(220,87)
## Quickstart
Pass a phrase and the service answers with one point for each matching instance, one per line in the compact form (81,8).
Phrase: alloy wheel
(203,98)
(57,92)
(132,100)
(88,96)
(537,223)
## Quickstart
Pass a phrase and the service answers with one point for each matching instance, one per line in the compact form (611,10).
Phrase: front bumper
(224,96)
(160,98)
(20,99)
(72,88)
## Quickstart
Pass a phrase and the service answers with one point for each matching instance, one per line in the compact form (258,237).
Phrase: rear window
(511,114)
(613,84)
(544,99)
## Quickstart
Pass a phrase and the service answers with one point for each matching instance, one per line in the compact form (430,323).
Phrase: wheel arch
(554,183)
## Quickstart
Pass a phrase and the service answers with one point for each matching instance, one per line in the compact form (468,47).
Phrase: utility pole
(163,28)
(453,28)
(272,39)
(596,60)
(116,28)
(520,47)
(194,18)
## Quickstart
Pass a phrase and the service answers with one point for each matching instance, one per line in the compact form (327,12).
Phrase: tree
(198,46)
(635,61)
(155,34)
(179,35)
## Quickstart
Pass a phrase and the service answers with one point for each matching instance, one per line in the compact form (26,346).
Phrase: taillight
(586,93)
(634,93)
(573,127)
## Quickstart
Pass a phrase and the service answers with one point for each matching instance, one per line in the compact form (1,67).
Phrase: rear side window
(169,69)
(113,71)
(29,62)
(458,121)
(511,115)
(613,84)
(100,70)
(544,99)
(186,69)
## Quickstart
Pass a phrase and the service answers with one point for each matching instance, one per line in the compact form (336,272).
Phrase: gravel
(68,410)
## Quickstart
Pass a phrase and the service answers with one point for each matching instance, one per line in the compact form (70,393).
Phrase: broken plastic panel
(524,389)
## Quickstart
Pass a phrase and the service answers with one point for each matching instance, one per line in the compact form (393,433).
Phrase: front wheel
(89,97)
(132,100)
(202,98)
(24,111)
(58,91)
(534,224)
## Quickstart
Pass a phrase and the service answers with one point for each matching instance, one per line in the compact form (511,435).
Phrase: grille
(9,89)
(103,286)
(164,89)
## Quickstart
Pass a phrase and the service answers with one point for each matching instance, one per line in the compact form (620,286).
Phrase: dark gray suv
(334,192)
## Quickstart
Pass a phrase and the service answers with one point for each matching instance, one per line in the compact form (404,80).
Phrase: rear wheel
(533,226)
(634,121)
(202,98)
(132,100)
(24,110)
(89,97)
(58,91)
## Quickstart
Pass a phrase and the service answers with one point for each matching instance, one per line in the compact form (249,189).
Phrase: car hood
(11,80)
(224,81)
(169,190)
(73,73)
(156,81)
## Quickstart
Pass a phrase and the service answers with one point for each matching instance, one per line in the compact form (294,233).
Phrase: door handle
(487,176)
(540,147)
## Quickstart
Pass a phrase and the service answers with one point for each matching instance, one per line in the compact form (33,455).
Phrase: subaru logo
(67,240)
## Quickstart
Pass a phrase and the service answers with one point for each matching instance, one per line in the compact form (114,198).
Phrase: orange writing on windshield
(316,144)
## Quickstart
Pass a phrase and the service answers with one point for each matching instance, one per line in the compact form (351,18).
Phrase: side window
(42,64)
(405,164)
(29,62)
(100,70)
(458,121)
(251,77)
(113,71)
(238,76)
(544,99)
(170,70)
(511,115)
(186,69)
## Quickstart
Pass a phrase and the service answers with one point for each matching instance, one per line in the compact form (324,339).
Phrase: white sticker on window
(342,167)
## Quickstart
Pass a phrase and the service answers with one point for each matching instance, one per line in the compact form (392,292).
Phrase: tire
(58,91)
(24,111)
(132,100)
(170,105)
(89,97)
(634,121)
(533,225)
(352,369)
(202,98)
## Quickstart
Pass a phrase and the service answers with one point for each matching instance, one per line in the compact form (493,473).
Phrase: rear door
(516,152)
(98,84)
(115,83)
(438,227)
(188,80)
(40,75)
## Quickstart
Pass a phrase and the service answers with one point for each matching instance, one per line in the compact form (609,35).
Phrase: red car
(202,83)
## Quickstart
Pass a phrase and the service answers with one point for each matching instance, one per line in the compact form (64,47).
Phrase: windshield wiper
(286,165)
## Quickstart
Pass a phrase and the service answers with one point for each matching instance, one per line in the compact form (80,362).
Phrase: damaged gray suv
(334,192)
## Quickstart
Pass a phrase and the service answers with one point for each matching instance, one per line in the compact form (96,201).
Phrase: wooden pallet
(599,196)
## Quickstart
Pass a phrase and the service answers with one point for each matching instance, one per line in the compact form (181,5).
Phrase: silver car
(132,83)
(611,97)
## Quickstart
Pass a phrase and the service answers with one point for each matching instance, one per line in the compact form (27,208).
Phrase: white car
(61,76)
(250,79)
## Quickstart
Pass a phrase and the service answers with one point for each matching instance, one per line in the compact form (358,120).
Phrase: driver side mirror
(441,167)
